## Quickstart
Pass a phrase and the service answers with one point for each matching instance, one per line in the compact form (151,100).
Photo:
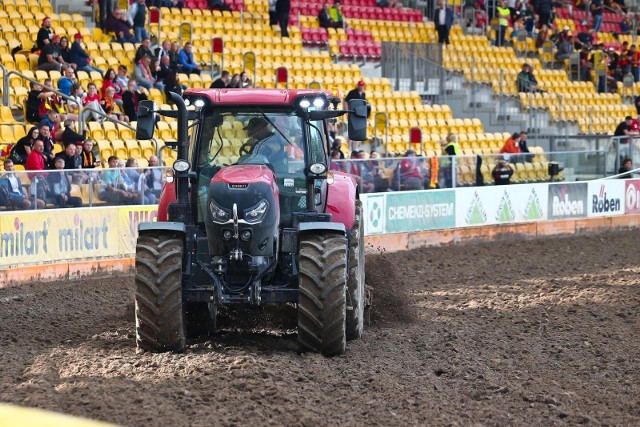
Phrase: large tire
(355,282)
(322,293)
(159,318)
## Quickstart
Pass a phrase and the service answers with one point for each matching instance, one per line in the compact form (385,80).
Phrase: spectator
(357,93)
(221,82)
(35,98)
(80,58)
(596,8)
(139,182)
(325,19)
(92,101)
(335,157)
(273,18)
(407,175)
(522,144)
(543,9)
(337,146)
(137,17)
(70,136)
(109,80)
(542,36)
(444,21)
(219,5)
(37,159)
(51,102)
(624,129)
(245,81)
(173,55)
(511,148)
(450,146)
(625,169)
(59,188)
(565,49)
(585,39)
(155,180)
(363,171)
(165,70)
(336,13)
(131,100)
(45,34)
(502,173)
(143,50)
(12,184)
(186,62)
(503,13)
(78,97)
(105,11)
(109,106)
(50,58)
(526,81)
(113,189)
(122,80)
(142,74)
(22,148)
(380,181)
(71,161)
(66,81)
(120,26)
(65,49)
(283,7)
(47,144)
(52,120)
(163,50)
(88,159)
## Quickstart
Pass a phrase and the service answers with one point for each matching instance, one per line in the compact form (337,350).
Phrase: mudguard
(147,227)
(341,199)
(167,196)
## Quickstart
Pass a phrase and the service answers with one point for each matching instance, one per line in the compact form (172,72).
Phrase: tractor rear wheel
(355,283)
(322,293)
(159,318)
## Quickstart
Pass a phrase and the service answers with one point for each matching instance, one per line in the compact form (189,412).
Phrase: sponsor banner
(632,196)
(402,212)
(567,200)
(129,218)
(58,235)
(500,204)
(606,197)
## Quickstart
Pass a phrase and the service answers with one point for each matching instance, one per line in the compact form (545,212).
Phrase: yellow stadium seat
(119,149)
(133,148)
(6,117)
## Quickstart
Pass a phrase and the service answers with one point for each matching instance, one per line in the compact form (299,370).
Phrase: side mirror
(146,120)
(358,119)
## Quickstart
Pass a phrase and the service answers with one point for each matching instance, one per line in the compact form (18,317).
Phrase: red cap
(55,37)
(77,36)
(44,19)
(361,83)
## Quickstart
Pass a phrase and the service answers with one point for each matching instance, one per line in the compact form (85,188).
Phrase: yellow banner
(59,235)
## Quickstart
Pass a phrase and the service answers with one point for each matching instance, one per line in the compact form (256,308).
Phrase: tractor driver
(264,141)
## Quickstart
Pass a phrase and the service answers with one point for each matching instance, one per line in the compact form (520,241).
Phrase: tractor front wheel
(322,293)
(355,283)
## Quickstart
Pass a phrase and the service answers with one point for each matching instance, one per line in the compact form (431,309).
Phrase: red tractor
(253,216)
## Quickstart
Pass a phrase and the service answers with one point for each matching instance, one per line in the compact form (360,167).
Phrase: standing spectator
(143,50)
(625,169)
(45,34)
(596,11)
(283,7)
(219,5)
(70,136)
(624,129)
(357,93)
(105,10)
(221,82)
(186,62)
(444,21)
(118,24)
(543,9)
(12,184)
(526,81)
(137,17)
(50,58)
(502,173)
(336,13)
(504,14)
(273,18)
(60,188)
(22,148)
(131,100)
(325,19)
(80,57)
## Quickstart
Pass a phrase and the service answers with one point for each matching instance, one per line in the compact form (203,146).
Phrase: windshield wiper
(274,126)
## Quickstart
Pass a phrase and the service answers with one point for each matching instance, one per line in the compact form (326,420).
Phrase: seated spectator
(110,107)
(70,136)
(565,49)
(37,159)
(22,148)
(143,50)
(173,55)
(50,58)
(334,165)
(45,34)
(166,3)
(245,81)
(155,178)
(363,172)
(221,82)
(88,158)
(12,184)
(234,83)
(502,173)
(186,62)
(80,58)
(163,50)
(380,180)
(526,81)
(511,148)
(52,120)
(65,49)
(407,174)
(109,80)
(59,188)
(324,17)
(219,5)
(139,182)
(122,80)
(143,76)
(525,154)
(113,189)
(66,81)
(131,100)
(585,39)
(35,97)
(118,24)
(90,106)
(335,12)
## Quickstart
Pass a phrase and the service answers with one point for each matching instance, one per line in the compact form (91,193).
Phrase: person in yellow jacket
(335,12)
(503,13)
(450,145)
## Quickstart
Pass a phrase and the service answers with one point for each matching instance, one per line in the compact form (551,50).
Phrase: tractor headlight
(256,214)
(318,168)
(218,214)
(181,166)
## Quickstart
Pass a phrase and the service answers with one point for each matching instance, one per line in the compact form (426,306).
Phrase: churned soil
(515,332)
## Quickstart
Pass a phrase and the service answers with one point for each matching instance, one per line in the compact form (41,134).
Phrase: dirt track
(537,333)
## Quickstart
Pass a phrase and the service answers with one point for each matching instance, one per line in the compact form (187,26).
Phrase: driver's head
(257,128)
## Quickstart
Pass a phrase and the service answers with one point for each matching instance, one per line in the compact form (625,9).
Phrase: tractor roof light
(304,104)
(317,168)
(198,103)
(318,103)
(181,165)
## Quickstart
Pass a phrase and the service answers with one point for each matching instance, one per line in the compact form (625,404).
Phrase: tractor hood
(242,175)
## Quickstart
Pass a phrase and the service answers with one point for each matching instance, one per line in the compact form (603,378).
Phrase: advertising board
(567,200)
(606,197)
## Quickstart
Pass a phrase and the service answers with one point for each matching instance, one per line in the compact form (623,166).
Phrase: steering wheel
(246,149)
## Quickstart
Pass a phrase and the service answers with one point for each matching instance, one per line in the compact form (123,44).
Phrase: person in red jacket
(511,148)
